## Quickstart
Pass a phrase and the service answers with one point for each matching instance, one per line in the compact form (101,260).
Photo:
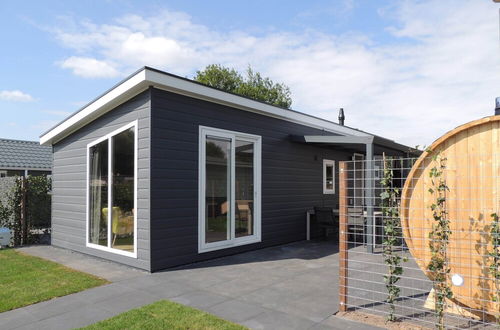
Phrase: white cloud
(89,67)
(439,70)
(15,96)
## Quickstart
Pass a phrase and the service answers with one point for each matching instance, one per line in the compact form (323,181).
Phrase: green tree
(253,85)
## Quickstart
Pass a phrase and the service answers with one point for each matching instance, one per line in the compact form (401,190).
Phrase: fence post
(24,226)
(343,237)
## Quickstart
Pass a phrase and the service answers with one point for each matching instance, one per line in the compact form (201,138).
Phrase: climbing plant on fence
(26,209)
(392,236)
(439,238)
(494,262)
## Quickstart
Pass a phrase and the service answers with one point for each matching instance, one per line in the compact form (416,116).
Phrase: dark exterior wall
(69,181)
(291,176)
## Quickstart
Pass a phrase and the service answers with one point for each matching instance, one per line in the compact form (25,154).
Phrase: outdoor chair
(326,220)
(120,224)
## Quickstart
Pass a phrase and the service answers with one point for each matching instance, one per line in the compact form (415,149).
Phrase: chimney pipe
(497,106)
(342,117)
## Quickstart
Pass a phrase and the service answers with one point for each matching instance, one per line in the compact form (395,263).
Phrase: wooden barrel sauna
(473,177)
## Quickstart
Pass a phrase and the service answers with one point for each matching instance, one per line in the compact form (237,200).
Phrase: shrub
(26,209)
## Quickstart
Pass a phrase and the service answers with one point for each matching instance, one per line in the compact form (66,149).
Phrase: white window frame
(108,137)
(328,162)
(233,241)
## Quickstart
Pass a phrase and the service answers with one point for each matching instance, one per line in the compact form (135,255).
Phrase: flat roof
(147,77)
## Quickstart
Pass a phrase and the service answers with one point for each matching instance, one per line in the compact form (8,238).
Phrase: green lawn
(165,315)
(25,280)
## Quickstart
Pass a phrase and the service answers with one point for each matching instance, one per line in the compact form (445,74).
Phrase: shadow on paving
(303,250)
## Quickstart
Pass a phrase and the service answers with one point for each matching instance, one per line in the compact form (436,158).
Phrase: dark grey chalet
(161,171)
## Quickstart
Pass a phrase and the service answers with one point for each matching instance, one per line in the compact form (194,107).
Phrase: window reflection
(122,222)
(218,180)
(98,198)
(329,177)
(244,188)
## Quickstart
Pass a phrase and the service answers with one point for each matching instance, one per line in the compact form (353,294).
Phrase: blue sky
(408,70)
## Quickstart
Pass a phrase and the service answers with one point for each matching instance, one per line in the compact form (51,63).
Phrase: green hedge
(37,209)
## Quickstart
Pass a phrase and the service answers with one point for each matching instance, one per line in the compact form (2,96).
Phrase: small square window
(328,176)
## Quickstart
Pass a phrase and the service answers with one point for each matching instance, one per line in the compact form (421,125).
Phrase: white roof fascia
(147,77)
(103,104)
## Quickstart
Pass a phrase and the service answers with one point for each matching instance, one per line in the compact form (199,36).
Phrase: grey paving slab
(53,307)
(270,297)
(85,263)
(202,278)
(169,289)
(127,301)
(277,321)
(315,308)
(236,310)
(77,318)
(139,283)
(105,292)
(16,318)
(200,299)
(244,285)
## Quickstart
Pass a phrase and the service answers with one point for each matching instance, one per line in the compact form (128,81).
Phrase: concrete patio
(286,287)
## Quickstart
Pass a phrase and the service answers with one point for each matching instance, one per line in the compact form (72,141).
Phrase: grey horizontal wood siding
(291,176)
(69,181)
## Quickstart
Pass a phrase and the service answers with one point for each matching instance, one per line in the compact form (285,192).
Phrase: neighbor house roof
(149,77)
(16,154)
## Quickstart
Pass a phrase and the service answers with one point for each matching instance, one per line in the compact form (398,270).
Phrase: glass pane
(359,179)
(98,190)
(244,188)
(15,173)
(218,191)
(122,214)
(329,177)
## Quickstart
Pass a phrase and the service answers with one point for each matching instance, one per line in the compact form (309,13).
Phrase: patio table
(376,214)
(308,218)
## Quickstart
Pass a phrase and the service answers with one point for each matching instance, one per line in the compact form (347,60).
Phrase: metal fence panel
(372,231)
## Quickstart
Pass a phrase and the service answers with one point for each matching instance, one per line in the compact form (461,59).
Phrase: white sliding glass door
(229,183)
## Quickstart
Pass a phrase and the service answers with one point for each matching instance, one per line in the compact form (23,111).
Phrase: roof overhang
(148,77)
(334,139)
(390,144)
(356,142)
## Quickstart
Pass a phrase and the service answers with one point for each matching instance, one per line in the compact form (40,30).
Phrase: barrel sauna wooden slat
(472,174)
